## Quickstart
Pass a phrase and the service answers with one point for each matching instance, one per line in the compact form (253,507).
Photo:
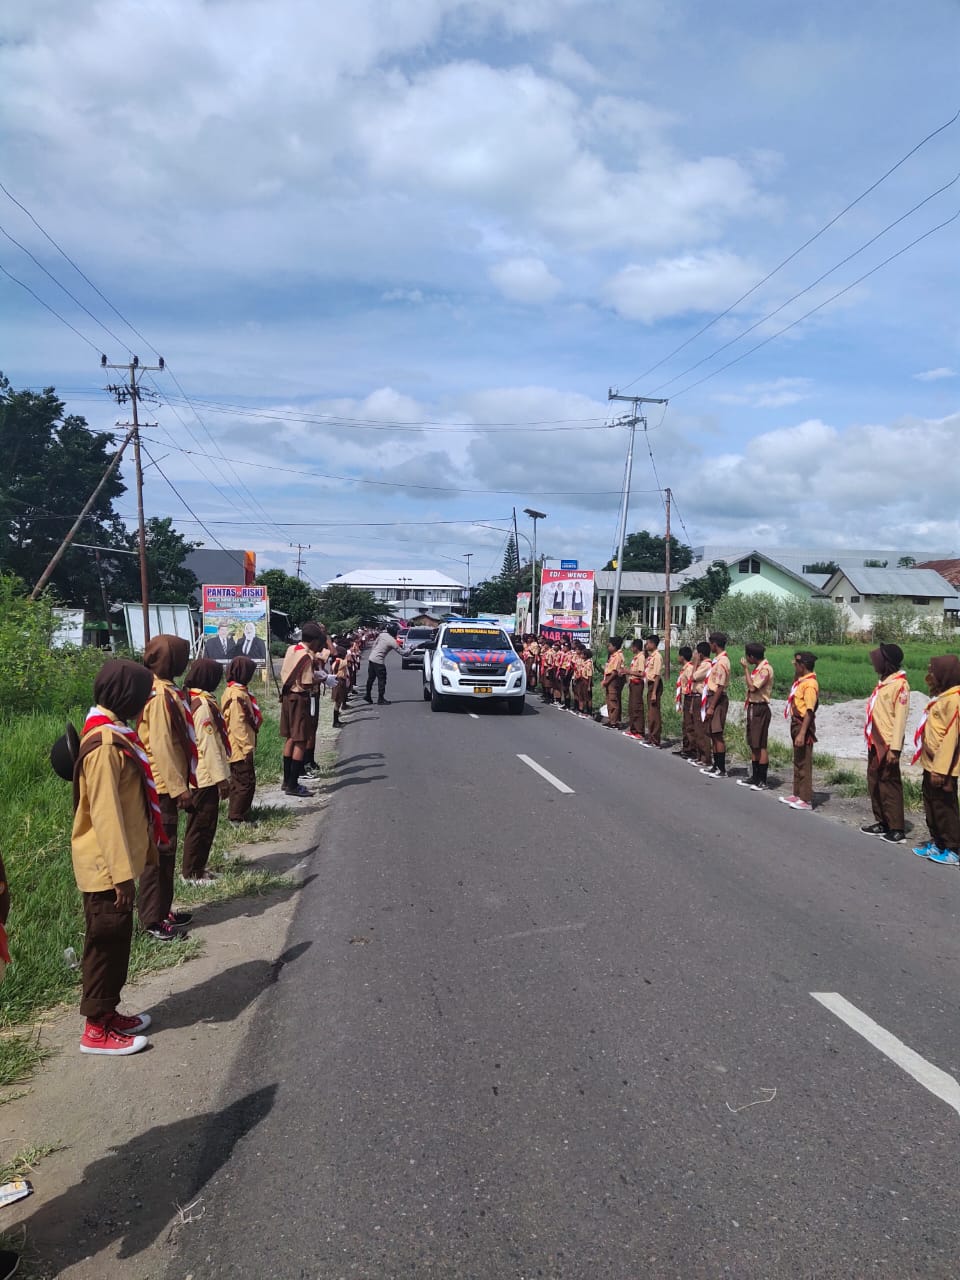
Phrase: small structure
(861,592)
(414,592)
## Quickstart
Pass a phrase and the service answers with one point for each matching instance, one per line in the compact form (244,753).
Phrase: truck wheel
(426,693)
(437,703)
(515,706)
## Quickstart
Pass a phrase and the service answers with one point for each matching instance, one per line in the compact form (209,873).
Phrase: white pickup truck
(473,659)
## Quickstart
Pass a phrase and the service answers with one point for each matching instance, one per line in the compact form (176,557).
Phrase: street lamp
(404,589)
(467,556)
(534,616)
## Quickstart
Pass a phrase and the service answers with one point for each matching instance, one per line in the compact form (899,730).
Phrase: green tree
(499,595)
(342,608)
(906,562)
(511,562)
(822,566)
(644,552)
(289,595)
(168,580)
(51,464)
(708,590)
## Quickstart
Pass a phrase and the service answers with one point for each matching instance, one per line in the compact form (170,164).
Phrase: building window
(679,615)
(838,599)
(921,599)
(743,566)
(750,565)
(854,599)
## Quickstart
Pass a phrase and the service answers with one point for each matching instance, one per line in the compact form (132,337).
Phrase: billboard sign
(569,564)
(566,604)
(523,613)
(235,623)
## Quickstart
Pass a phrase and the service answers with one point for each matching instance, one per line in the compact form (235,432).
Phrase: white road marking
(473,715)
(545,773)
(939,1083)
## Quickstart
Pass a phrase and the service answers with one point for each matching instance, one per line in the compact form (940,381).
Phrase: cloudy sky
(395,252)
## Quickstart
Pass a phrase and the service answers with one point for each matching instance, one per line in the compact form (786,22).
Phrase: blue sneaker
(924,850)
(945,857)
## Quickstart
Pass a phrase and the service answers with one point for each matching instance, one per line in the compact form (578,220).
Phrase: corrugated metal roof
(949,569)
(637,583)
(413,579)
(897,582)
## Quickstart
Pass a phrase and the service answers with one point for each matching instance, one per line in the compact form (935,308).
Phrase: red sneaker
(130,1024)
(108,1042)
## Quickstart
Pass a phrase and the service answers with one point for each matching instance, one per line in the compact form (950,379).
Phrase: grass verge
(20,1055)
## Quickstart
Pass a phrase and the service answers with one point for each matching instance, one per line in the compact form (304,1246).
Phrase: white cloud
(525,280)
(935,375)
(694,282)
(403,295)
(775,394)
(567,64)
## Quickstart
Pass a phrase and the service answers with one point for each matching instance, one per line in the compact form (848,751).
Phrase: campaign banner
(566,604)
(235,623)
(523,614)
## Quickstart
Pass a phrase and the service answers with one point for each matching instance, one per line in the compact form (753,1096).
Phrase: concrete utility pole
(131,391)
(666,589)
(630,422)
(468,555)
(534,616)
(301,548)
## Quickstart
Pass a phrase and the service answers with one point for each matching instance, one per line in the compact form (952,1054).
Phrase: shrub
(33,676)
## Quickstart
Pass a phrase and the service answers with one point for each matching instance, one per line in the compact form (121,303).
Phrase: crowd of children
(563,671)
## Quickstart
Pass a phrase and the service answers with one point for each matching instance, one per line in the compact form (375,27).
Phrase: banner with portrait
(523,613)
(566,604)
(236,623)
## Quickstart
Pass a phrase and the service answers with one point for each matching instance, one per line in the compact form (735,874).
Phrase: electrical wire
(82,336)
(819,307)
(819,280)
(796,252)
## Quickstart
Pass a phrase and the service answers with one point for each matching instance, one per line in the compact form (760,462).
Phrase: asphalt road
(548,1034)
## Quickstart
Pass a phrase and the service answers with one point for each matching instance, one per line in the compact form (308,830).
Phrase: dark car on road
(412,644)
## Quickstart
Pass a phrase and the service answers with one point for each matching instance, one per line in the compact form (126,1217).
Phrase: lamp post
(534,615)
(405,589)
(467,555)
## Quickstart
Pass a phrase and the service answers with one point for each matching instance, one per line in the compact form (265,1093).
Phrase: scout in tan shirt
(884,729)
(243,718)
(938,751)
(213,770)
(701,670)
(636,719)
(801,709)
(653,680)
(298,685)
(758,677)
(167,732)
(716,704)
(116,832)
(613,681)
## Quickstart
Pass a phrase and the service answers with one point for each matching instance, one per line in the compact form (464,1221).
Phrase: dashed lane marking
(545,773)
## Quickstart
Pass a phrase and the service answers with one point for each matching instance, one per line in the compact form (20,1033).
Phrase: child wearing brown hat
(243,718)
(884,731)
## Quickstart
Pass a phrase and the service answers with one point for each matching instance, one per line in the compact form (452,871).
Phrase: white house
(859,591)
(412,591)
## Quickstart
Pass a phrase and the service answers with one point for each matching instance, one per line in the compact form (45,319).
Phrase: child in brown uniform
(613,681)
(802,711)
(683,701)
(117,833)
(938,751)
(698,680)
(884,730)
(636,721)
(653,681)
(243,718)
(758,675)
(213,770)
(716,703)
(296,719)
(168,736)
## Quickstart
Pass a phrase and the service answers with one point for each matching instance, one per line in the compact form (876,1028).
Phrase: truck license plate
(478,689)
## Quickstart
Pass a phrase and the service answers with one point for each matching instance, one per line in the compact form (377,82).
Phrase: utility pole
(468,555)
(301,548)
(534,616)
(131,391)
(631,422)
(666,589)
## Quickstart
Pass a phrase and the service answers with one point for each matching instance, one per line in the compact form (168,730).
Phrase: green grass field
(45,916)
(844,671)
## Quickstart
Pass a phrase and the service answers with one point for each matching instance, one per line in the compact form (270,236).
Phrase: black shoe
(179,917)
(384,702)
(165,932)
(894,837)
(874,829)
(367,698)
(9,1261)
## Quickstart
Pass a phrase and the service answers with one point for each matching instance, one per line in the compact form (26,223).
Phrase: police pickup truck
(473,659)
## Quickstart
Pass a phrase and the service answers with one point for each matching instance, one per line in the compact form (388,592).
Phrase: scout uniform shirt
(213,744)
(243,718)
(653,666)
(719,676)
(698,676)
(167,733)
(637,664)
(887,712)
(112,839)
(296,673)
(684,683)
(613,667)
(760,682)
(804,697)
(938,738)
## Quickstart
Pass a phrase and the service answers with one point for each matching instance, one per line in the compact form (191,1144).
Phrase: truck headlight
(447,664)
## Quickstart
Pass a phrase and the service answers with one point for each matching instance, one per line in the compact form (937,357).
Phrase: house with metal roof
(860,591)
(414,593)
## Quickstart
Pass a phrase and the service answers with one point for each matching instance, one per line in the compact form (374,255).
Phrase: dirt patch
(140,1136)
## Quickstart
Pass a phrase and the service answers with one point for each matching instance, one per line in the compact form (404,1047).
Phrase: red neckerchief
(98,719)
(215,714)
(761,663)
(788,709)
(918,736)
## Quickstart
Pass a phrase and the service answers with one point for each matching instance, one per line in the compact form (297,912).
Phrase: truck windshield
(469,638)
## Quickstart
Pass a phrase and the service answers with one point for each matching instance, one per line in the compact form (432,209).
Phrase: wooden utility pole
(666,589)
(301,548)
(131,391)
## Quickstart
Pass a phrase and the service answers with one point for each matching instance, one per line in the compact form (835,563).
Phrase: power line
(192,514)
(82,336)
(333,524)
(819,307)
(819,280)
(806,244)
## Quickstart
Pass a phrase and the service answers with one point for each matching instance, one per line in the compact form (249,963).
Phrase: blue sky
(471,213)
